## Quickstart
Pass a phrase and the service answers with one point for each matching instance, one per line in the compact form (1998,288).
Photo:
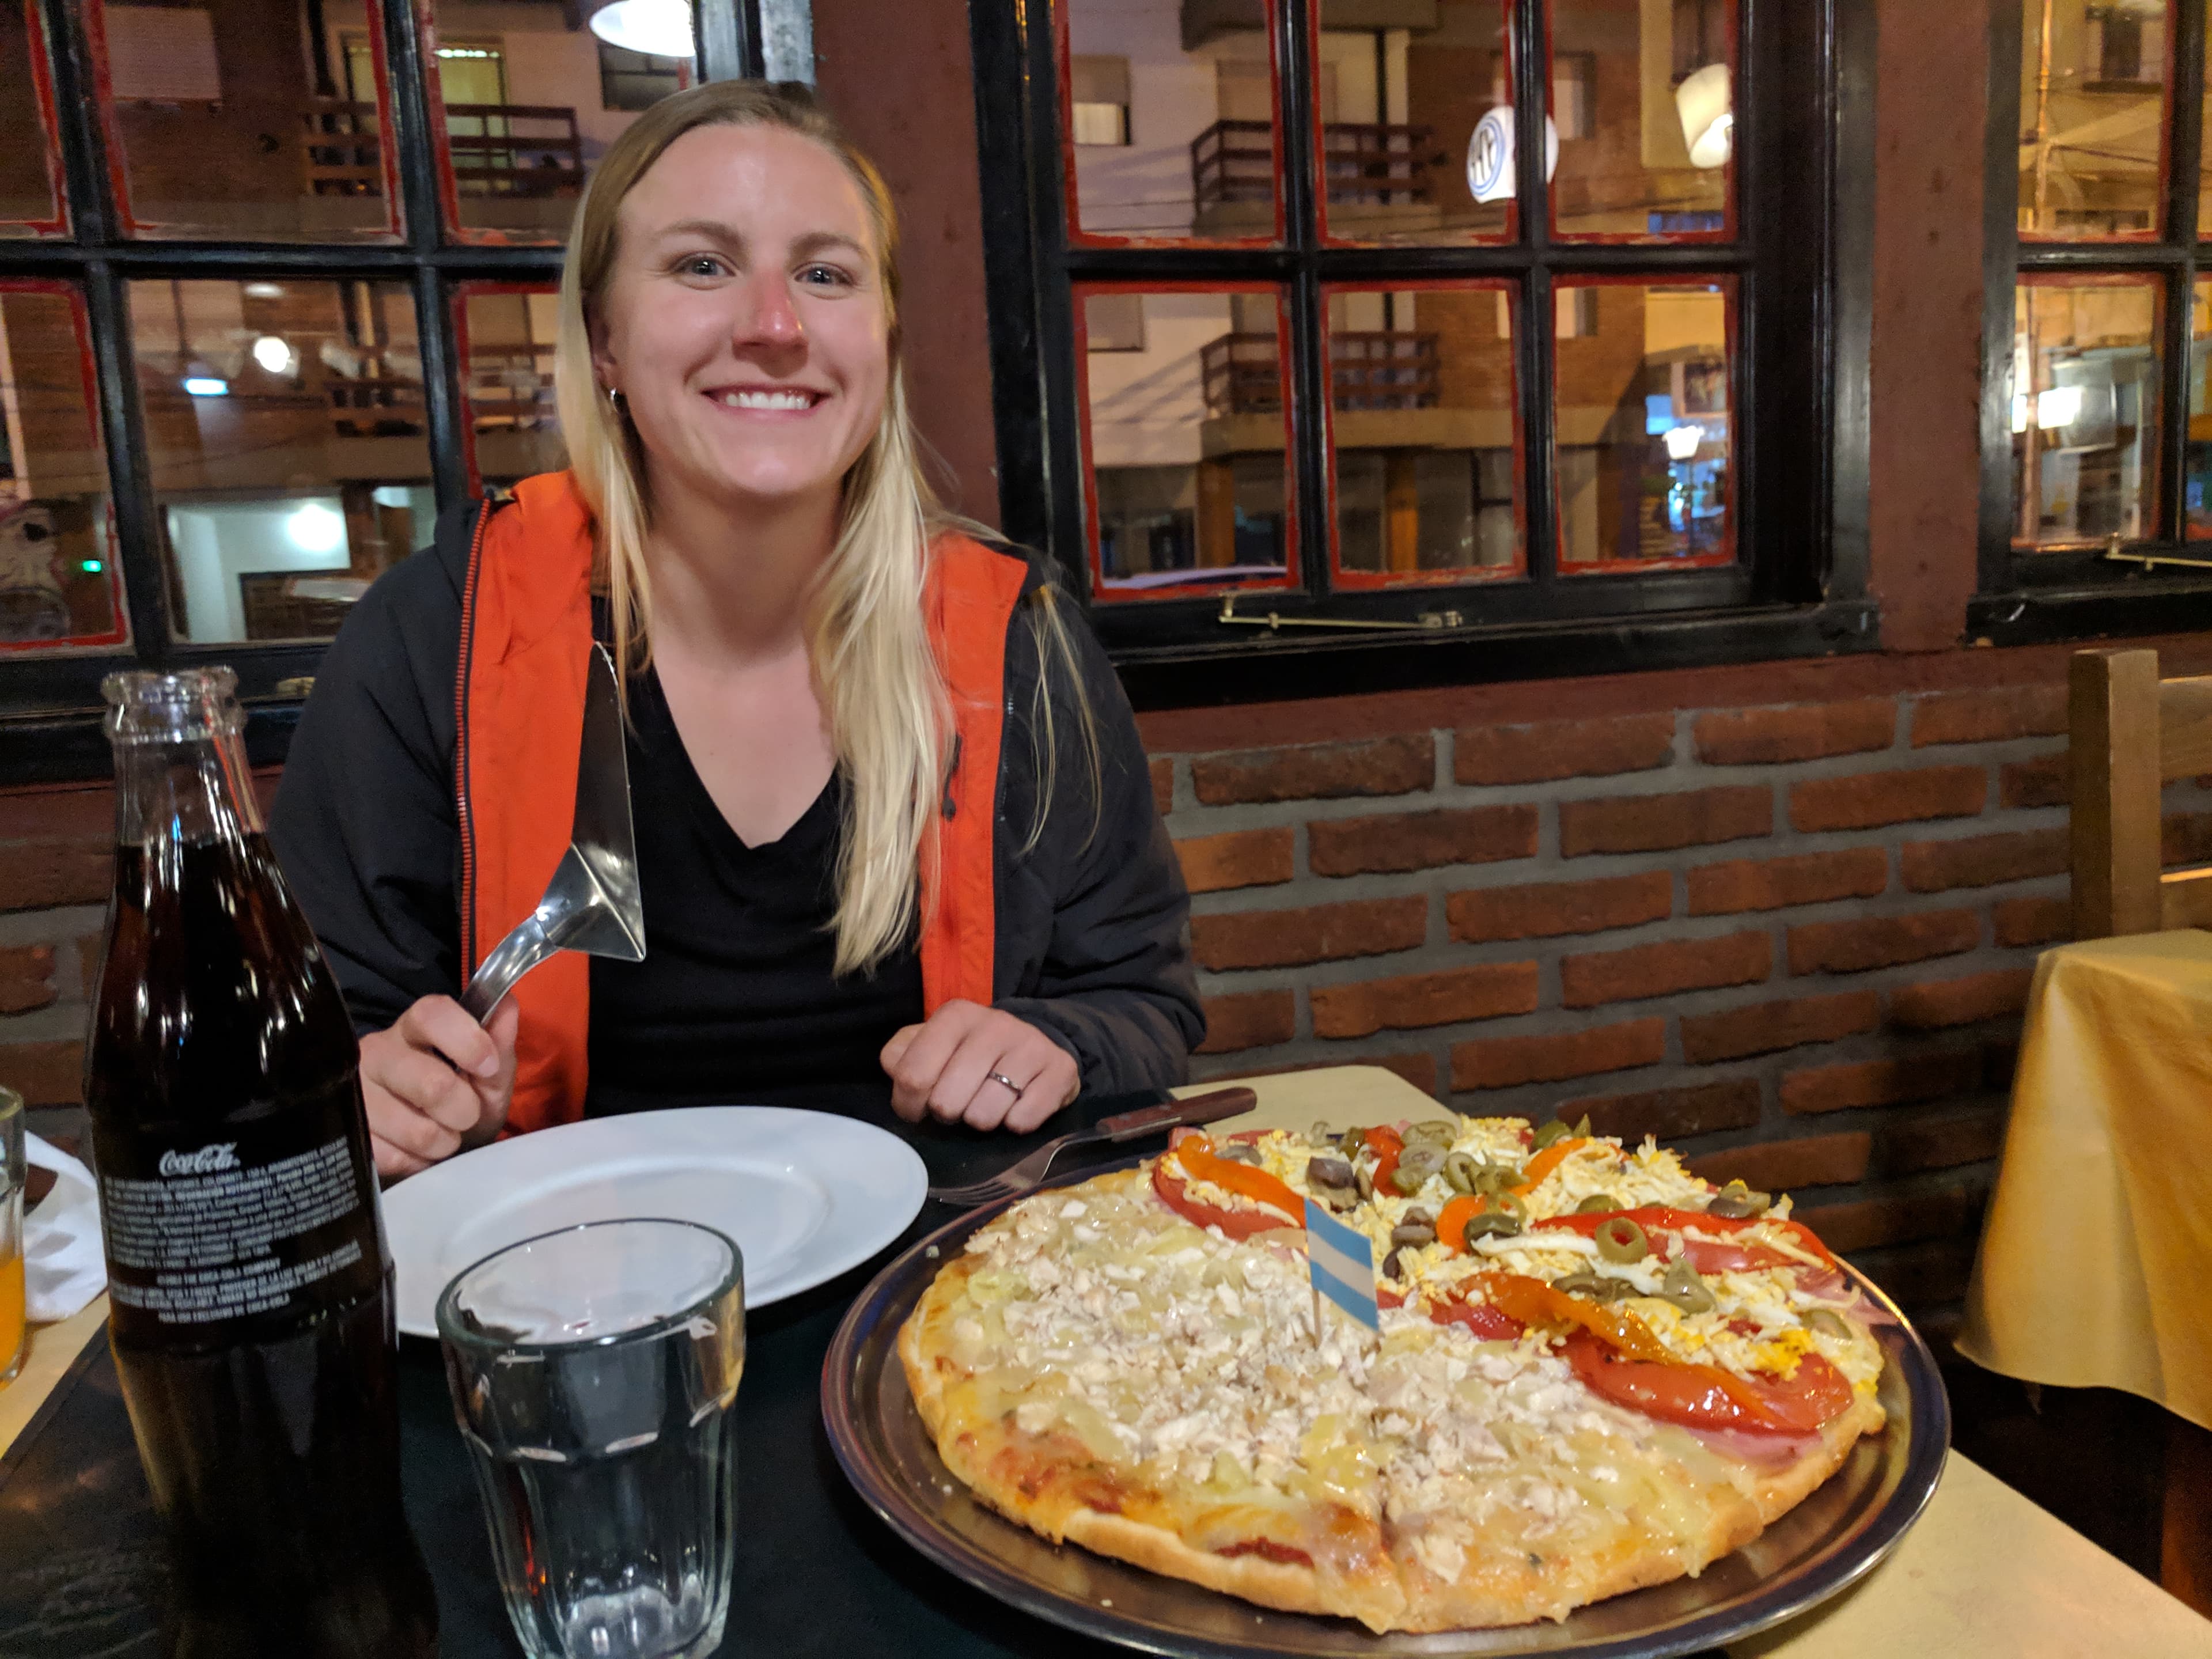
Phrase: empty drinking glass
(593,1371)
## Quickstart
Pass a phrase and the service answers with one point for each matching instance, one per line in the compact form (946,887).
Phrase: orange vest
(526,637)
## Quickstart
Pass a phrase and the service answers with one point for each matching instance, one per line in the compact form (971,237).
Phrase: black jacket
(1090,923)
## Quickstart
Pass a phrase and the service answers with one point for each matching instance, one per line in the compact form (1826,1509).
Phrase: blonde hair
(867,641)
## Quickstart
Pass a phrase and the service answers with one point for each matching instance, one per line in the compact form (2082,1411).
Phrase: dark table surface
(81,1571)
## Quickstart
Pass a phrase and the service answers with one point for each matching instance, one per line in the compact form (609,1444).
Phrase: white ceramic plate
(806,1194)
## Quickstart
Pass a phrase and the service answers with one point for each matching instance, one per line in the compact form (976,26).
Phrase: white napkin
(63,1268)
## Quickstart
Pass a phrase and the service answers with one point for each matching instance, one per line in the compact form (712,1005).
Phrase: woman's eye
(825,276)
(701,264)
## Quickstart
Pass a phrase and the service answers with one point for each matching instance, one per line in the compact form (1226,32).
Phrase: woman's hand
(435,1083)
(944,1066)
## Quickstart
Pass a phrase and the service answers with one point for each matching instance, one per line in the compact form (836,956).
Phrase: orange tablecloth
(2095,1267)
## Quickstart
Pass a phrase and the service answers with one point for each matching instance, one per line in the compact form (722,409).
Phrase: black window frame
(1805,136)
(2027,598)
(50,705)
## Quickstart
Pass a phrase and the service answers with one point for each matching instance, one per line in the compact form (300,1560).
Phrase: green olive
(1492,1180)
(1735,1200)
(1828,1320)
(1582,1127)
(1434,1128)
(1597,1203)
(1549,1132)
(1459,1172)
(1622,1240)
(1366,1179)
(1682,1288)
(1502,1217)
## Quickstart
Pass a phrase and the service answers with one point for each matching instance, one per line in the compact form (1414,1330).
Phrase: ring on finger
(1001,1077)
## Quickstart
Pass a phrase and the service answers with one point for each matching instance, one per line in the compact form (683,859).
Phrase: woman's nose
(769,317)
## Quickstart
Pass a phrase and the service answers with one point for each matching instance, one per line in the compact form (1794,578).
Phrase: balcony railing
(512,386)
(1362,163)
(497,150)
(1369,369)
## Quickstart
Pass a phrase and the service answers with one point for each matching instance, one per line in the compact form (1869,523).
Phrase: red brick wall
(1795,939)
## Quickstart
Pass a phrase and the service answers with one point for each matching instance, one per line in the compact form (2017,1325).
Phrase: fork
(1023,1177)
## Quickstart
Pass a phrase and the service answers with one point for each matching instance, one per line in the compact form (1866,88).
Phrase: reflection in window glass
(2199,476)
(1194,154)
(1643,100)
(1422,433)
(2084,410)
(506,347)
(1416,112)
(284,423)
(59,583)
(1187,435)
(26,181)
(2093,96)
(531,104)
(1644,429)
(249,121)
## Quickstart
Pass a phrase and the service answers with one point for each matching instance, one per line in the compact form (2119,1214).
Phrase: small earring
(614,399)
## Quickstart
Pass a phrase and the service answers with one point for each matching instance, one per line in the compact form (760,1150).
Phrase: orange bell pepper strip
(1201,1163)
(1546,1161)
(1452,1219)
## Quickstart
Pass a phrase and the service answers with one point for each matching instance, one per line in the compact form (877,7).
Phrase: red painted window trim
(463,292)
(1100,593)
(1726,234)
(42,87)
(2154,281)
(1726,554)
(1360,580)
(118,165)
(88,378)
(1063,69)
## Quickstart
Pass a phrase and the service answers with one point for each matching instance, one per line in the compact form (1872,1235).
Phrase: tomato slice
(1387,1143)
(1488,1324)
(1192,1151)
(1707,1397)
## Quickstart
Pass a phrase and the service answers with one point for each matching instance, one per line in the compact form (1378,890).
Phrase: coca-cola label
(208,1160)
(229,1229)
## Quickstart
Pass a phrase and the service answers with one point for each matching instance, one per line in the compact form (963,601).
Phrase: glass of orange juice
(13,1172)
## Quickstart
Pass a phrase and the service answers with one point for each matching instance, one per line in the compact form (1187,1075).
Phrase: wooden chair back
(2130,733)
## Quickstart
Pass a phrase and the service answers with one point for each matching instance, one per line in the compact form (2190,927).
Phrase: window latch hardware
(1430,620)
(2149,561)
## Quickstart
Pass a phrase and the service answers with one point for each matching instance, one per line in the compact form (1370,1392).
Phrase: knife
(592,904)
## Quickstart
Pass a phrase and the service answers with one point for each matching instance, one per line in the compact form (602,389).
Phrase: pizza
(1595,1371)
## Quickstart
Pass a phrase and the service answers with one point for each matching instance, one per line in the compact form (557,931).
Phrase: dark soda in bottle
(252,1316)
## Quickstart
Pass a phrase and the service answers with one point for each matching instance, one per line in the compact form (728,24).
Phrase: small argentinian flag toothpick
(1342,1263)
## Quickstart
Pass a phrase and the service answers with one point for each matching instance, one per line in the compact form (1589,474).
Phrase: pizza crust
(1039,1482)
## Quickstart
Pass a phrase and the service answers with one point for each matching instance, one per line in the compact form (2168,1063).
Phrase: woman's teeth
(764,400)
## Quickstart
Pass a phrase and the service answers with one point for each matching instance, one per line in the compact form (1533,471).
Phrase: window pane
(1643,100)
(531,103)
(284,424)
(1423,434)
(1404,146)
(2093,98)
(1643,426)
(507,332)
(60,586)
(2084,410)
(249,121)
(27,202)
(1185,437)
(1171,120)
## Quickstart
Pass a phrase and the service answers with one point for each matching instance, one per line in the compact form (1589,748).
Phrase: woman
(896,832)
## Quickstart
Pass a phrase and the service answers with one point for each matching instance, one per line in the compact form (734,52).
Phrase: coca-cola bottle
(251,1292)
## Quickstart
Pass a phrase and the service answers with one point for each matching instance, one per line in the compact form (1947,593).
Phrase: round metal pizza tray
(1824,1545)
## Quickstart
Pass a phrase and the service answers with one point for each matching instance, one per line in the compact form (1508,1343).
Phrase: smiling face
(744,320)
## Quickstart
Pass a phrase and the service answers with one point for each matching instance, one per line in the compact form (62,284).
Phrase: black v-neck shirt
(735,1003)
